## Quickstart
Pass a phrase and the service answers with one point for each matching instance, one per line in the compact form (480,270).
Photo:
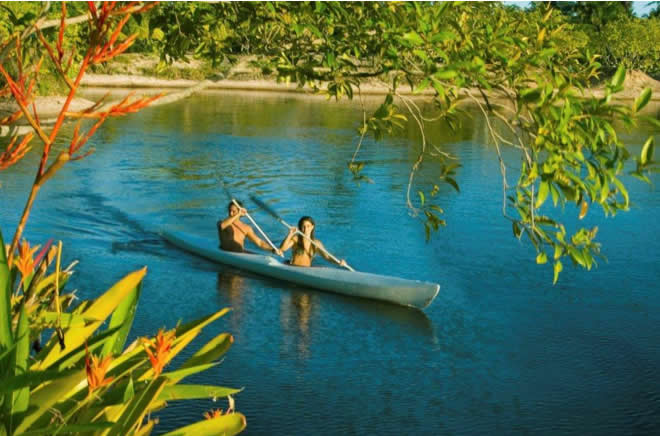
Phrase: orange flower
(161,350)
(213,414)
(96,369)
(25,261)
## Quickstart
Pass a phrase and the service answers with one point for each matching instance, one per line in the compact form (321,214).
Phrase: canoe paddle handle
(233,200)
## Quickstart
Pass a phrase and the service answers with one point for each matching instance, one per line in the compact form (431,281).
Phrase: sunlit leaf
(413,37)
(646,155)
(541,258)
(643,99)
(583,209)
(6,339)
(619,76)
(194,392)
(557,269)
(544,190)
(223,425)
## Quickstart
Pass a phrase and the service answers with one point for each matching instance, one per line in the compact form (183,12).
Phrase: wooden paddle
(275,215)
(233,200)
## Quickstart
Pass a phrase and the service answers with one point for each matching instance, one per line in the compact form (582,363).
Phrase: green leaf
(530,95)
(22,396)
(643,99)
(622,190)
(443,36)
(421,197)
(619,77)
(178,375)
(541,258)
(453,183)
(194,392)
(71,428)
(129,392)
(517,232)
(576,255)
(413,38)
(445,74)
(157,34)
(138,407)
(30,379)
(48,396)
(100,309)
(104,305)
(225,425)
(215,348)
(557,269)
(544,190)
(421,86)
(200,323)
(647,151)
(6,340)
(122,319)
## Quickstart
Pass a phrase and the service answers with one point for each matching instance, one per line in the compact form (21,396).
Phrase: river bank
(138,72)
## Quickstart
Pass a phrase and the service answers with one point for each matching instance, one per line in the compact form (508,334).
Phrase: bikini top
(299,249)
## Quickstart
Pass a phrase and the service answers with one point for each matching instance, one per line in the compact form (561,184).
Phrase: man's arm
(256,240)
(229,221)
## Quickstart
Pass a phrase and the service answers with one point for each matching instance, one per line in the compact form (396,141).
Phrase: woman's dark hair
(299,244)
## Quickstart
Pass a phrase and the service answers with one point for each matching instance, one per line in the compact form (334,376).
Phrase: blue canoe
(413,293)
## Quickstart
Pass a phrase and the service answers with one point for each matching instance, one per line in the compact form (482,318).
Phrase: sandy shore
(48,107)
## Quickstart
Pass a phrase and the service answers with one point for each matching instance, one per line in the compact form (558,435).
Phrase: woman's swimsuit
(299,250)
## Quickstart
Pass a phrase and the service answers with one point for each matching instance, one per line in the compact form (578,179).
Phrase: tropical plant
(83,379)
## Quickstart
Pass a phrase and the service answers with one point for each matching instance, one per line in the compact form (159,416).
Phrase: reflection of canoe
(357,284)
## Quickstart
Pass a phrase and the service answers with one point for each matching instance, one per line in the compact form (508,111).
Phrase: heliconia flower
(25,260)
(161,349)
(96,369)
(213,414)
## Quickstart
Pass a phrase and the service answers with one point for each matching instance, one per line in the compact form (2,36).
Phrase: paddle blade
(265,207)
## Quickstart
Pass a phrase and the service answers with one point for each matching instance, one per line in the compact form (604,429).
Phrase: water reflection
(297,311)
(231,286)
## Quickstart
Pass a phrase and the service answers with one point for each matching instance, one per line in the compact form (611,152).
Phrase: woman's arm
(326,256)
(289,240)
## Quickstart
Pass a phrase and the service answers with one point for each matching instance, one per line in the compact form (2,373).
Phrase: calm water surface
(500,351)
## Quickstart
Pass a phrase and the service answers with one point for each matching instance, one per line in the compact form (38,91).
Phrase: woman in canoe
(303,249)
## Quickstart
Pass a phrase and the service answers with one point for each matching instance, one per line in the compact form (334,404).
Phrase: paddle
(275,215)
(233,200)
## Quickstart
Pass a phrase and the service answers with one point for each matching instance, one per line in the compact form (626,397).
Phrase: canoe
(413,293)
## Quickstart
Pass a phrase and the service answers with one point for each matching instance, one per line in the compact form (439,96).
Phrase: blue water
(500,350)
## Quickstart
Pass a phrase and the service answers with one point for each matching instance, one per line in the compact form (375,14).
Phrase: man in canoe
(232,232)
(305,247)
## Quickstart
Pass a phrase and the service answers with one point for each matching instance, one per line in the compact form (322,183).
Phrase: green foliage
(631,42)
(110,394)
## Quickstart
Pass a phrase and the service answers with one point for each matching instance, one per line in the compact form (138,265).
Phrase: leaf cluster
(61,387)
